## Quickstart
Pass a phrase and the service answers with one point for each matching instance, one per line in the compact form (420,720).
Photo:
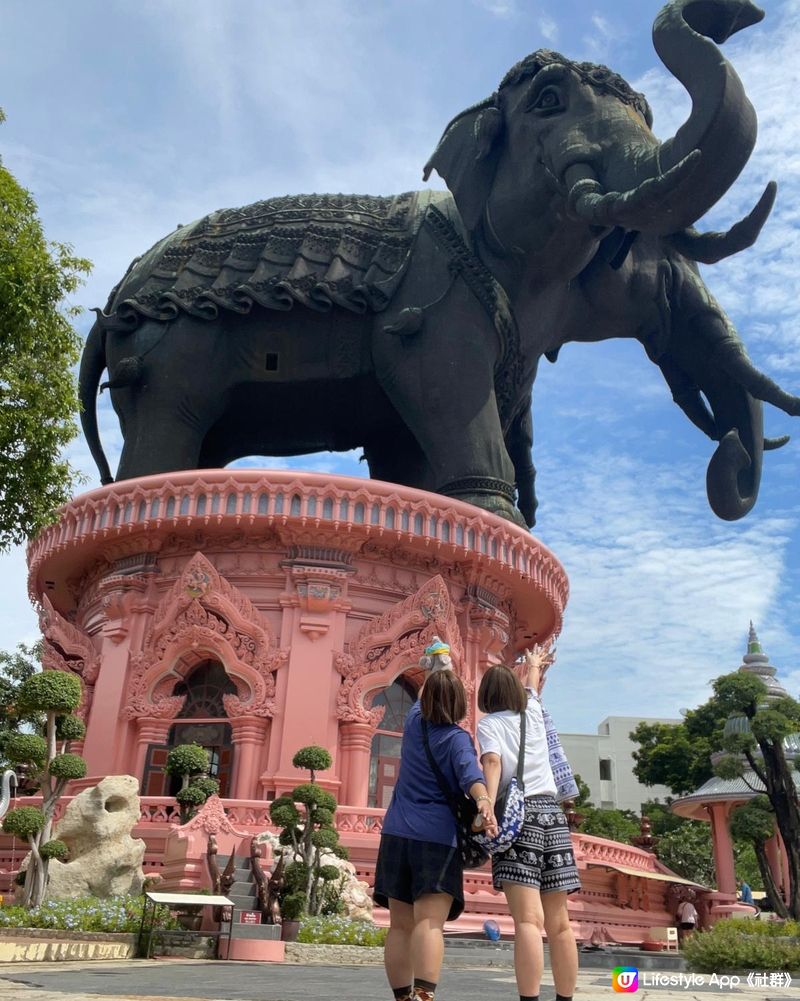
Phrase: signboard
(250,918)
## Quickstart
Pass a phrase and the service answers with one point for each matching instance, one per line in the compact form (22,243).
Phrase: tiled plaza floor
(171,980)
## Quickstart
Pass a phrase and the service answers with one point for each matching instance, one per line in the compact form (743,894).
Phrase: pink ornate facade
(255,612)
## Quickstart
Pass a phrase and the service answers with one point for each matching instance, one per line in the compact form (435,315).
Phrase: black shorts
(542,855)
(407,870)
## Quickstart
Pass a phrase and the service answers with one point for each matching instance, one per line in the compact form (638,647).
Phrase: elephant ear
(466,158)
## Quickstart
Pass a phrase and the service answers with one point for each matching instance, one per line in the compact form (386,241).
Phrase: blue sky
(125,120)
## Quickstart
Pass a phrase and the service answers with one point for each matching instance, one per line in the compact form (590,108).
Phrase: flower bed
(84,914)
(334,930)
(745,944)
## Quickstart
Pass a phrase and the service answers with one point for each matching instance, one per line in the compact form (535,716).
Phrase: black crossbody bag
(463,808)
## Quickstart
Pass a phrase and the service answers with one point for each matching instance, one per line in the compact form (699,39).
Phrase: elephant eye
(549,101)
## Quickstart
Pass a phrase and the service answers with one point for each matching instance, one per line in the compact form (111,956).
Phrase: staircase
(255,942)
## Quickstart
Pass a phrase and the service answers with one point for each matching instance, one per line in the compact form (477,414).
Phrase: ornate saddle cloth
(317,250)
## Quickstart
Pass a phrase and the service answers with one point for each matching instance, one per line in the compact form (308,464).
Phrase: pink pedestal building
(254,612)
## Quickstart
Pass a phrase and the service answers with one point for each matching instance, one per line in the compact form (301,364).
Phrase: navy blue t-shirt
(418,810)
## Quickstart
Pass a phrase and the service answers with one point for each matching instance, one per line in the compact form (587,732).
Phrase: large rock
(104,860)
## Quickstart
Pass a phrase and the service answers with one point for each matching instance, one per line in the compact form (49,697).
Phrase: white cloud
(503,9)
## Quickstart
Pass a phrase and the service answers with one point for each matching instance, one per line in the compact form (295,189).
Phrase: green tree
(616,825)
(308,834)
(584,793)
(56,695)
(678,755)
(662,819)
(687,850)
(754,822)
(190,763)
(755,742)
(38,348)
(15,667)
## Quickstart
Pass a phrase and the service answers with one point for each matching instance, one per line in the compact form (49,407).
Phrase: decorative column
(356,743)
(249,738)
(315,607)
(104,752)
(150,730)
(723,848)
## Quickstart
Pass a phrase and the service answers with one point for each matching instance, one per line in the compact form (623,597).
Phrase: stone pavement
(186,980)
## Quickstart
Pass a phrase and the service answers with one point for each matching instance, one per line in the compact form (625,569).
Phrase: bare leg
(397,952)
(563,951)
(525,904)
(427,940)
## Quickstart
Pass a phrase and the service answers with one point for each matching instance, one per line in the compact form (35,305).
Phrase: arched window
(203,721)
(204,688)
(384,762)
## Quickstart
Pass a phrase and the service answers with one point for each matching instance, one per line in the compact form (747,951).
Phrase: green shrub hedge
(745,944)
(334,930)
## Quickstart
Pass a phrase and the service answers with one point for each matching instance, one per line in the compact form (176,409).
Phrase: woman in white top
(538,871)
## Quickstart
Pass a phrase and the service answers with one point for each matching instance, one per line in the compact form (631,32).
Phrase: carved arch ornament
(67,648)
(204,614)
(392,642)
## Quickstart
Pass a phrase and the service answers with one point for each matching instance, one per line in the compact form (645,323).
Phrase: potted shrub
(293,907)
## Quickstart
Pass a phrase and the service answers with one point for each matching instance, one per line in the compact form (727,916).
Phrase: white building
(605,763)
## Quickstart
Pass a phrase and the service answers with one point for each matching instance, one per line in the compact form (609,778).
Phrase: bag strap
(521,757)
(441,781)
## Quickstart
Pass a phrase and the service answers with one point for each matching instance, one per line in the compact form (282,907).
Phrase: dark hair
(443,698)
(501,689)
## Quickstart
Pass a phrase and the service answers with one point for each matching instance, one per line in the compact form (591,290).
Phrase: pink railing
(254,813)
(348,506)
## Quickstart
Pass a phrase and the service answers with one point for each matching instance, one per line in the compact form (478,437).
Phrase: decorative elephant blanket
(319,251)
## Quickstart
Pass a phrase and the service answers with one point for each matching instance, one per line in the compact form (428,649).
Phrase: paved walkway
(187,980)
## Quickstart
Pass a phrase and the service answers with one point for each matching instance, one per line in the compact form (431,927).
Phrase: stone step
(242,886)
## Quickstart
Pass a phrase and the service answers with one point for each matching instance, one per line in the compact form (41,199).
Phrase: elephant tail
(93,363)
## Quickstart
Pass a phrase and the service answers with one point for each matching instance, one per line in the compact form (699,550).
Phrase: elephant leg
(441,382)
(398,458)
(159,438)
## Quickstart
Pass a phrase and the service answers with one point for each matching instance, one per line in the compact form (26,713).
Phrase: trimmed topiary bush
(70,728)
(54,695)
(50,692)
(68,767)
(54,849)
(24,822)
(191,763)
(308,833)
(26,748)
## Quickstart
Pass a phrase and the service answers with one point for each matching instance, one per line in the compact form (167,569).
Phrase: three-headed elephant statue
(412,326)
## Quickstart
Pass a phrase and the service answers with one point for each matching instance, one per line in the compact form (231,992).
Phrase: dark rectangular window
(605,769)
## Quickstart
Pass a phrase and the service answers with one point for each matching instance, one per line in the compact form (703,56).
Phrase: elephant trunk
(678,181)
(722,124)
(734,471)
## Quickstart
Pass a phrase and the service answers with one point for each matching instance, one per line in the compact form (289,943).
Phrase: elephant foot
(496,496)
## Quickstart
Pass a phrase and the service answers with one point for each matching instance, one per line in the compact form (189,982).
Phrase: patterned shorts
(542,855)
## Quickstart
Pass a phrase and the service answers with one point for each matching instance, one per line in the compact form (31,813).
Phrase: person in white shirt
(687,919)
(538,870)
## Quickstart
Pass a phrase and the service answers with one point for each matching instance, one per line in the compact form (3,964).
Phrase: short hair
(443,698)
(501,690)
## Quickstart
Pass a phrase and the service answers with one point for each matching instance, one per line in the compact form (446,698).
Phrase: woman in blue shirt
(419,875)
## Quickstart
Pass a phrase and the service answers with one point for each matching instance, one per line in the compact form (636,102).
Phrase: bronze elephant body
(413,326)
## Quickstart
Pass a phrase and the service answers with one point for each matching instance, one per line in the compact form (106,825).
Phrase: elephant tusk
(770,444)
(708,248)
(587,202)
(733,360)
